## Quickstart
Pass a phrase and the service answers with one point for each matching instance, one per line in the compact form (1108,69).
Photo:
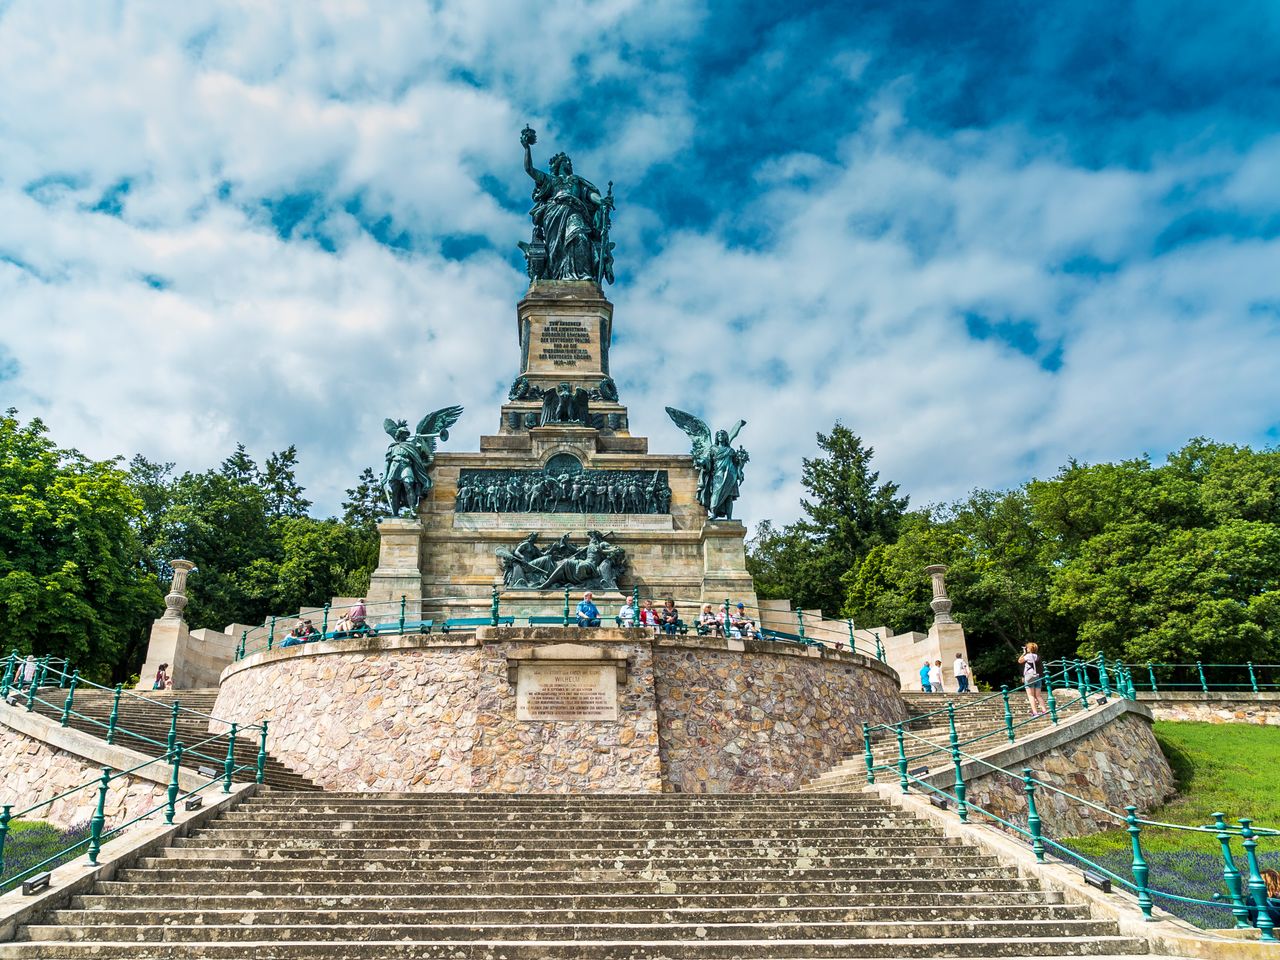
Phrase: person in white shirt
(935,677)
(961,670)
(627,615)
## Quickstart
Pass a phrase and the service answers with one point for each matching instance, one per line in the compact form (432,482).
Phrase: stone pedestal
(399,571)
(565,328)
(169,636)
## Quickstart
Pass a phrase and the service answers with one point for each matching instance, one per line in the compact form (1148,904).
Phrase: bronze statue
(596,565)
(720,466)
(566,405)
(570,222)
(406,479)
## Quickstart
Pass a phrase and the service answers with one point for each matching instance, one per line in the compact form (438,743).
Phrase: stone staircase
(143,725)
(318,875)
(973,720)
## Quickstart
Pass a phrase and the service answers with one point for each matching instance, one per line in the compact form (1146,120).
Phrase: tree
(848,513)
(72,581)
(281,488)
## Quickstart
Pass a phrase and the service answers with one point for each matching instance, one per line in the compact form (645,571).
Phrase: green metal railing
(1205,677)
(56,688)
(98,832)
(1069,686)
(403,616)
(1246,899)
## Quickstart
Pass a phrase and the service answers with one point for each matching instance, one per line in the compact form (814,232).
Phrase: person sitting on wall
(293,637)
(1272,879)
(309,632)
(588,613)
(627,615)
(670,616)
(708,622)
(357,615)
(649,616)
(741,624)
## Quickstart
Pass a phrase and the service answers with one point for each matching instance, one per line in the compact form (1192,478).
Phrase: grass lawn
(31,842)
(1228,768)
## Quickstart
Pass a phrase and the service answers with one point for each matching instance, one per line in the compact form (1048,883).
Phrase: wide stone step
(596,839)
(900,948)
(268,928)
(286,914)
(166,901)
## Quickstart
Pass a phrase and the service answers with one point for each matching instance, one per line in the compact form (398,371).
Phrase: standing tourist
(961,671)
(1033,679)
(588,613)
(924,678)
(935,677)
(162,677)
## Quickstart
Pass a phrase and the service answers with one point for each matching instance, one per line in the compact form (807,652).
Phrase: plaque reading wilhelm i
(567,691)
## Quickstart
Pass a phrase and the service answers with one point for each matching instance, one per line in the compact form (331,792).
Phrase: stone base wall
(438,714)
(39,759)
(1108,756)
(1241,707)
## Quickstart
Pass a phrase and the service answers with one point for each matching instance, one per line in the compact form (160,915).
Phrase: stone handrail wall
(1239,706)
(40,759)
(437,713)
(1108,756)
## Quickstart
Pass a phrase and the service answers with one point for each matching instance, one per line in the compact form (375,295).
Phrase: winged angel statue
(405,481)
(719,465)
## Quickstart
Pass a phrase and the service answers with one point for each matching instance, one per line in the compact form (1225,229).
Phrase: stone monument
(563,495)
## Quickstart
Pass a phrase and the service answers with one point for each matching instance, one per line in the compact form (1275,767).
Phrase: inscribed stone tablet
(576,691)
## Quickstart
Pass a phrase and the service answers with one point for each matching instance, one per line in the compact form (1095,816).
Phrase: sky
(986,236)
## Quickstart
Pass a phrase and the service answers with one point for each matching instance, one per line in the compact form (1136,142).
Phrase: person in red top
(649,616)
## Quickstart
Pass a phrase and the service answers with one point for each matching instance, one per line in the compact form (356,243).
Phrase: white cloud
(852,308)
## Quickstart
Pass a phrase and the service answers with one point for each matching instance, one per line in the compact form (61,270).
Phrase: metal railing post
(566,606)
(635,603)
(1081,686)
(173,728)
(1008,712)
(6,814)
(495,606)
(33,687)
(173,785)
(879,649)
(902,761)
(1033,815)
(1140,869)
(99,818)
(231,760)
(271,637)
(244,643)
(62,674)
(852,645)
(1253,680)
(1230,875)
(1204,686)
(1151,674)
(10,663)
(1103,681)
(800,622)
(262,755)
(962,808)
(324,622)
(1257,886)
(1050,700)
(869,759)
(71,696)
(403,600)
(115,714)
(726,618)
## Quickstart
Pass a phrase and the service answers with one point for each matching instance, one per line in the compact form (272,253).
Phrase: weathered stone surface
(1261,708)
(434,714)
(1116,764)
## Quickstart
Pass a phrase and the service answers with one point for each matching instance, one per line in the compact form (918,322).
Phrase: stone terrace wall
(438,714)
(1240,707)
(38,760)
(1108,756)
(755,721)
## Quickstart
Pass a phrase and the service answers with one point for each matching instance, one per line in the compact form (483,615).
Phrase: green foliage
(72,583)
(848,514)
(1219,768)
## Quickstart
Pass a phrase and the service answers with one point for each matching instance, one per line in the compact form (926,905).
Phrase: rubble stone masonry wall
(1242,707)
(436,713)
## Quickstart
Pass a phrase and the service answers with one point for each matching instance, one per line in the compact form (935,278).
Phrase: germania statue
(720,466)
(570,222)
(406,479)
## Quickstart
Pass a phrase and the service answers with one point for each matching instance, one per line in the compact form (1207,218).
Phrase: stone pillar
(941,603)
(946,636)
(169,634)
(399,571)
